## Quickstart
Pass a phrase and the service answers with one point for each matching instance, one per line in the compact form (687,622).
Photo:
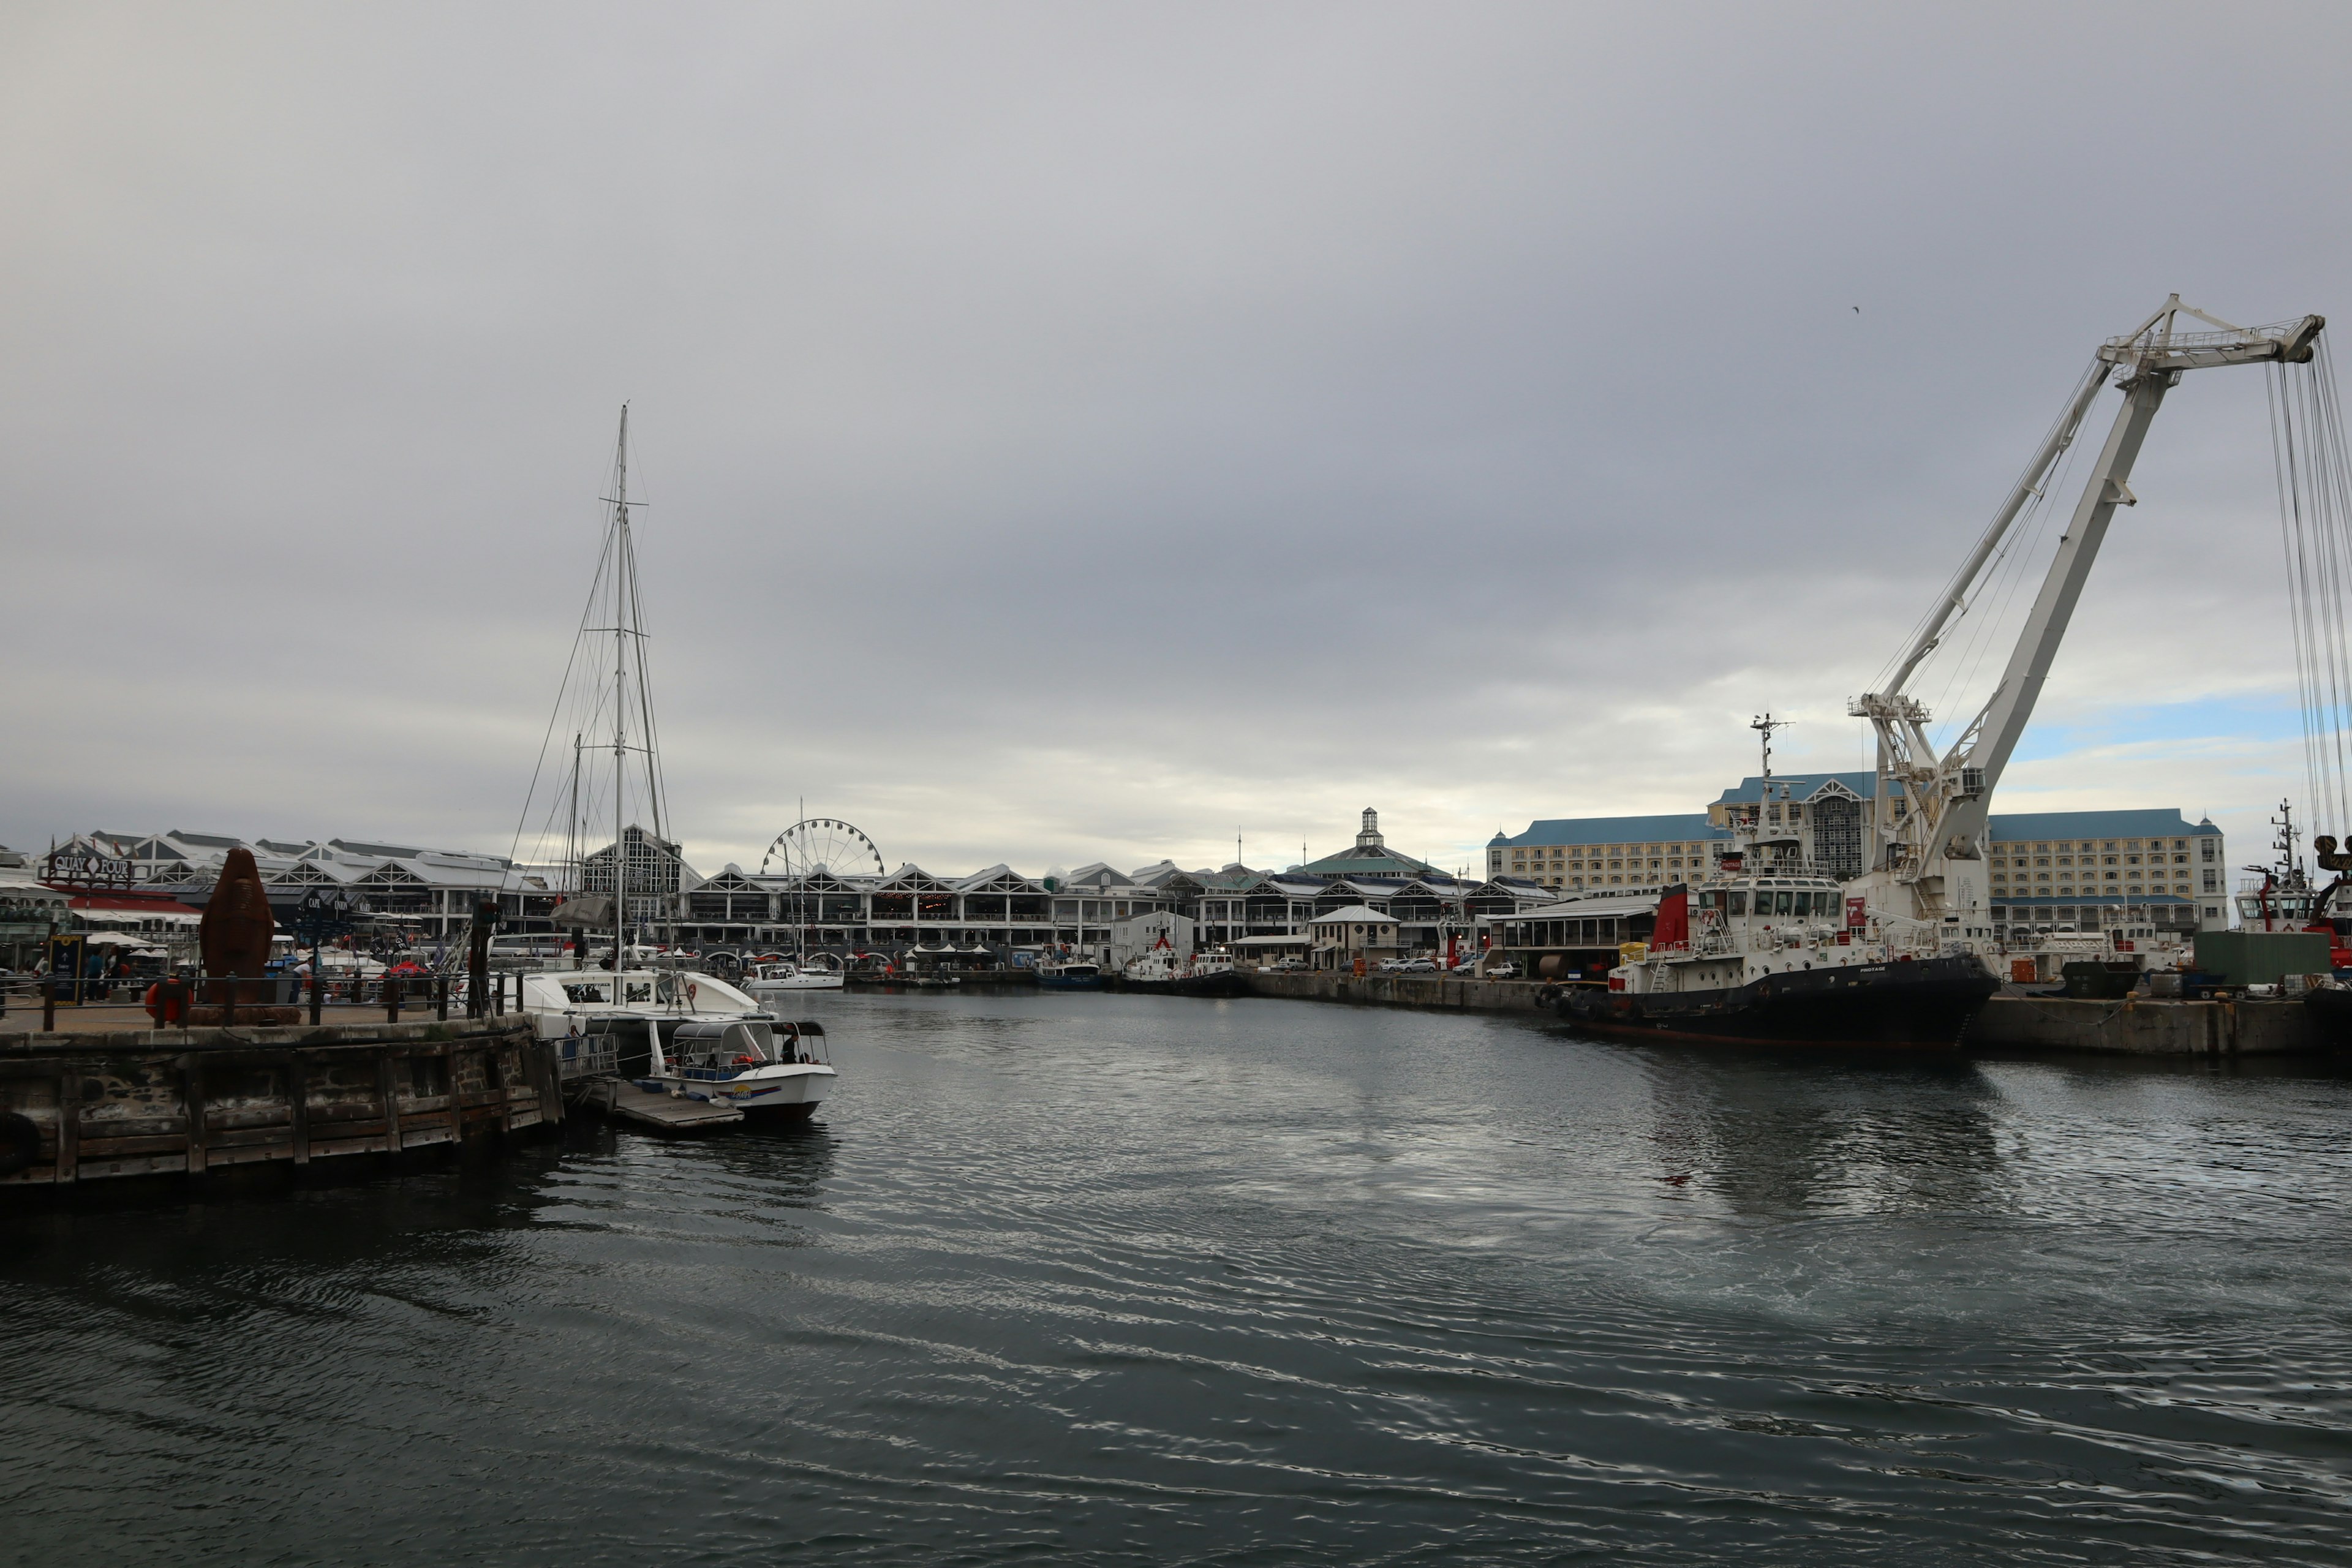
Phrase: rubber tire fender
(20,1142)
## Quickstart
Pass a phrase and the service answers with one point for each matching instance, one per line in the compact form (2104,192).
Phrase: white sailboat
(669,1030)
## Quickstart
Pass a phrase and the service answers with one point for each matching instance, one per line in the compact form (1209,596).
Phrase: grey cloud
(1071,431)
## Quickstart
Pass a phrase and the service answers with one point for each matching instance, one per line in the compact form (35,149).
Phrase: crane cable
(2314,472)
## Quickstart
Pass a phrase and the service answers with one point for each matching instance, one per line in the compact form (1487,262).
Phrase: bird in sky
(1857,310)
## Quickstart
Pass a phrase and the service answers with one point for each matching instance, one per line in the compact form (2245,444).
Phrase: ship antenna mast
(1764,724)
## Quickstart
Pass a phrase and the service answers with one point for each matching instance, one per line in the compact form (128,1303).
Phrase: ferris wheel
(823,844)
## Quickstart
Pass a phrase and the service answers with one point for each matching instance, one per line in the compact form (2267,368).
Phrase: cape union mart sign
(85,868)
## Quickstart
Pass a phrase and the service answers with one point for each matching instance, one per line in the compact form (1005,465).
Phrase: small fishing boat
(1069,974)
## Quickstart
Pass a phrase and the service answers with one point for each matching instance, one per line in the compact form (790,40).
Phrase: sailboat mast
(620,705)
(571,830)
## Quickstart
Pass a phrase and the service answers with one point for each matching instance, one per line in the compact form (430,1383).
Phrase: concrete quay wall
(1437,991)
(2139,1027)
(2134,1028)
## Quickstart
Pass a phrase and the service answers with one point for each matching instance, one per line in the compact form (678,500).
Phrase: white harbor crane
(1927,856)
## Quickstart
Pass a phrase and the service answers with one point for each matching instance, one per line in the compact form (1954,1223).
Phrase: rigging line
(657,780)
(2322,500)
(2019,554)
(524,816)
(2322,449)
(1994,599)
(2279,394)
(646,711)
(2335,481)
(1952,583)
(1997,590)
(2319,611)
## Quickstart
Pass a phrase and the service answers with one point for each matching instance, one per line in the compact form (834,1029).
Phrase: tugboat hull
(1922,1002)
(1224,983)
(2330,1007)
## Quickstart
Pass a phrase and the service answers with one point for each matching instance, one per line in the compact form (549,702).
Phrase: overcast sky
(1082,431)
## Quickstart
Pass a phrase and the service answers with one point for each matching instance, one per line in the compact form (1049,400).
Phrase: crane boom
(1944,801)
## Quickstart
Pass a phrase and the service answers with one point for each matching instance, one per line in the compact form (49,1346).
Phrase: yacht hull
(759,990)
(1927,1003)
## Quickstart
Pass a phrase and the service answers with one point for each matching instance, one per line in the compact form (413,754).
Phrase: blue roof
(1804,786)
(1683,828)
(2015,825)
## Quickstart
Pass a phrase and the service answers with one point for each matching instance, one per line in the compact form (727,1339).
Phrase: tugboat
(1163,968)
(1773,957)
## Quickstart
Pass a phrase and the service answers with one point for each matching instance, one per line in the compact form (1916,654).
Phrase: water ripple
(1138,1280)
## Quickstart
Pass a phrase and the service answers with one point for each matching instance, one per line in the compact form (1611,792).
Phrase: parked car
(1283,964)
(1418,966)
(1506,970)
(1391,966)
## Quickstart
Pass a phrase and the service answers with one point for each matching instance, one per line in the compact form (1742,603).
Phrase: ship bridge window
(1738,903)
(1780,901)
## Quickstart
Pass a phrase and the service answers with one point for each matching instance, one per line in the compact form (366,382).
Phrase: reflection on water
(1110,1279)
(1778,1132)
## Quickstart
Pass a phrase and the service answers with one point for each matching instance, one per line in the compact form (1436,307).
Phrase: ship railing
(588,1056)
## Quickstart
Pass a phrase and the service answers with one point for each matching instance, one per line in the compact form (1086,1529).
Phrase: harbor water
(1110,1279)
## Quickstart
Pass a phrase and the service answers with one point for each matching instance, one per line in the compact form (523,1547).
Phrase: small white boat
(676,1032)
(767,980)
(756,1067)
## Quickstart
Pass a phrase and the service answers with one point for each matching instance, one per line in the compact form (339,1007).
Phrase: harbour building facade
(2087,869)
(2081,871)
(1576,854)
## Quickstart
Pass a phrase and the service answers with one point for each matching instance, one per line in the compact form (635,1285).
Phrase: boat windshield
(688,990)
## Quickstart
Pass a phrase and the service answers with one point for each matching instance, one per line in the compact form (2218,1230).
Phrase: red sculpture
(237,924)
(235,938)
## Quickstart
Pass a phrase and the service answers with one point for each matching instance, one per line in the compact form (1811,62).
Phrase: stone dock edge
(186,1105)
(2008,1024)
